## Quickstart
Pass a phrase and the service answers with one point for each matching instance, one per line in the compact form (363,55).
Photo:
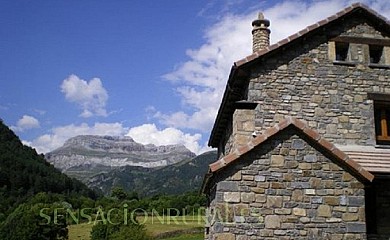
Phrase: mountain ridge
(112,151)
(184,176)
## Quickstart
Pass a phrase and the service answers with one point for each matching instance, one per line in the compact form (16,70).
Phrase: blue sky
(152,70)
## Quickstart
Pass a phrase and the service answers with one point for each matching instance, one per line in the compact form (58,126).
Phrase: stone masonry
(305,83)
(286,189)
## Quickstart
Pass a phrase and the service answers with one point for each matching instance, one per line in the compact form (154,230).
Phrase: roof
(374,160)
(339,156)
(239,71)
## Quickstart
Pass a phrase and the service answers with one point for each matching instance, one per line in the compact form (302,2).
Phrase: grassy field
(195,236)
(160,227)
(80,231)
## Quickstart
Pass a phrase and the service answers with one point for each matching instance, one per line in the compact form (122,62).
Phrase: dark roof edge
(224,99)
(301,126)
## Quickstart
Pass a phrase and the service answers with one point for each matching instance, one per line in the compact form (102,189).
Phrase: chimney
(260,33)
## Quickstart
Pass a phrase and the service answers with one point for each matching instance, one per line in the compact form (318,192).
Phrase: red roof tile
(373,159)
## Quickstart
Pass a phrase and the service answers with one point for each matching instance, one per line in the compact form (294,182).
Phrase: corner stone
(233,197)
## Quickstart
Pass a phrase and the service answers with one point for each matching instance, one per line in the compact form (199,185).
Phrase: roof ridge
(308,29)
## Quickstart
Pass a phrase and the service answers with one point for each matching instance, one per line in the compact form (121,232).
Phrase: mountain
(86,155)
(104,162)
(23,173)
(173,179)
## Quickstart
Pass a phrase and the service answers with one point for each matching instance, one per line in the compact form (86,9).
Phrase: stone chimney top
(260,33)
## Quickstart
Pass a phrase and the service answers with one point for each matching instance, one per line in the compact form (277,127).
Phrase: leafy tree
(119,193)
(117,225)
(34,221)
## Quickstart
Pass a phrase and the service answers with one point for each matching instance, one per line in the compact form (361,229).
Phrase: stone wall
(303,81)
(285,189)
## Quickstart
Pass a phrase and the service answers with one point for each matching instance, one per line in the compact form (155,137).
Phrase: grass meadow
(159,227)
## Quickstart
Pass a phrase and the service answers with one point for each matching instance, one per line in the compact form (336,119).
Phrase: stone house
(303,135)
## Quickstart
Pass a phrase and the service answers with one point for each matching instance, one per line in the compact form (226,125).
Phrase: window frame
(375,54)
(367,43)
(342,51)
(381,108)
(382,124)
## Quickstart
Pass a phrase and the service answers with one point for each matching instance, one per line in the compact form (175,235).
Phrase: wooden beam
(362,40)
(379,96)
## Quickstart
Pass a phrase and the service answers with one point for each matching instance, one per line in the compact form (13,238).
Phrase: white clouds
(149,134)
(59,135)
(145,134)
(201,80)
(25,123)
(90,96)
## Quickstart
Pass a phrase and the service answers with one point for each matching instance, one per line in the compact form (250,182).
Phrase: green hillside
(173,179)
(24,173)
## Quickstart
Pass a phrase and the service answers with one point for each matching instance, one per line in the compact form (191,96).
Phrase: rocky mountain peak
(113,151)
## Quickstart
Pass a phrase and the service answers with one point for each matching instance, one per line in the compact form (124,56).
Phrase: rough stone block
(305,166)
(317,200)
(297,195)
(324,211)
(274,201)
(247,178)
(310,158)
(277,161)
(260,198)
(233,197)
(272,221)
(283,211)
(227,186)
(239,219)
(259,178)
(331,200)
(280,232)
(356,227)
(236,176)
(349,217)
(241,210)
(291,164)
(257,190)
(248,197)
(299,212)
(356,201)
(334,220)
(304,220)
(298,144)
(266,233)
(300,185)
(310,191)
(225,236)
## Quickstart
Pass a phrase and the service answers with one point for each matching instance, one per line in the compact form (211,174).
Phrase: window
(342,51)
(375,54)
(382,122)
